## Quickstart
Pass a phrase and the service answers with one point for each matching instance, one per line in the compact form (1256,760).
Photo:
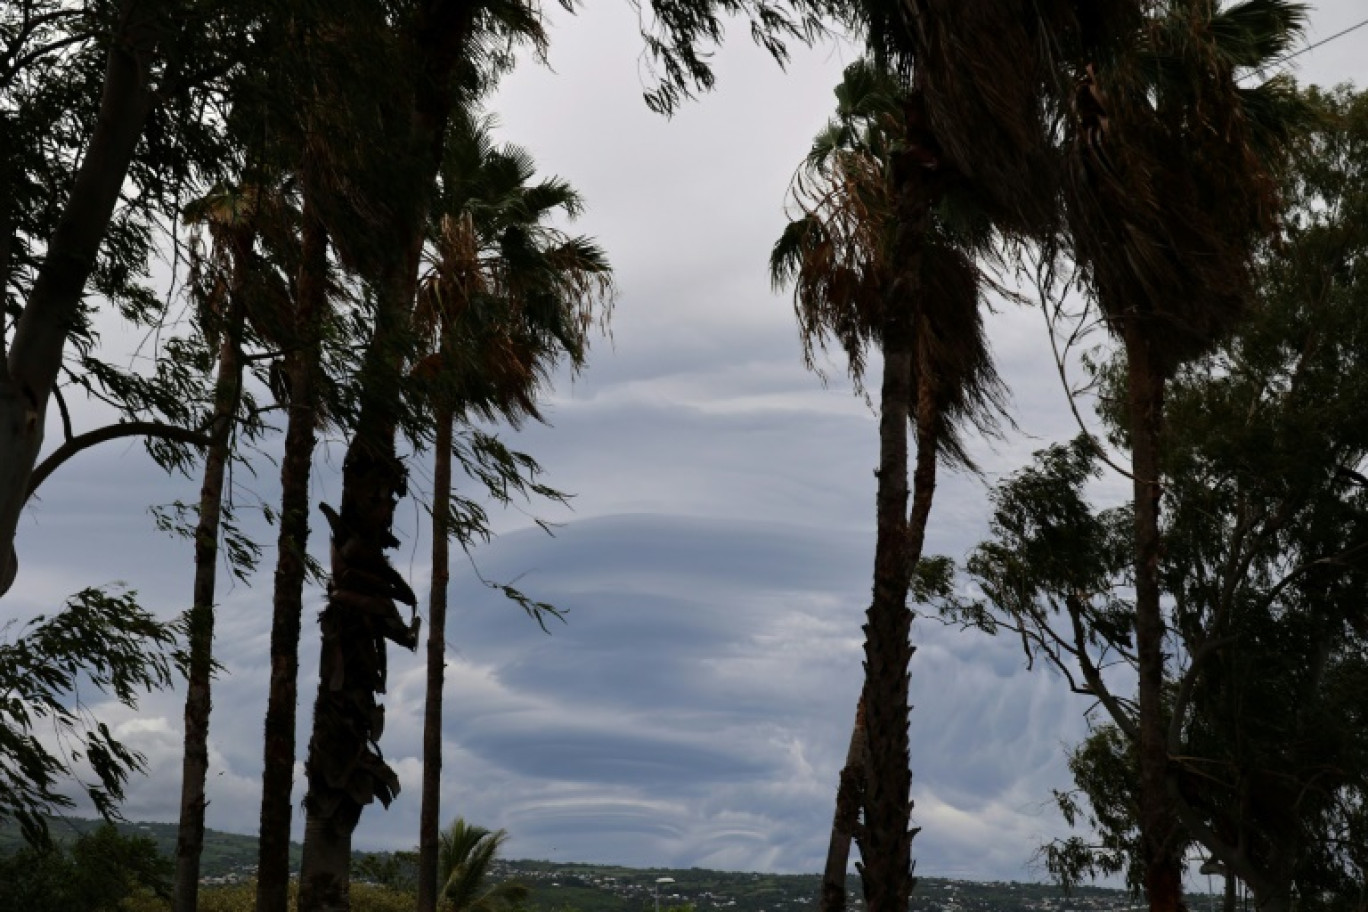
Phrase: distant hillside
(564,887)
(560,887)
(225,854)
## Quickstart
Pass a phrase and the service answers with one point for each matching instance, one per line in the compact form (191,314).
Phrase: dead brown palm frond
(987,71)
(839,257)
(505,296)
(1170,183)
(953,353)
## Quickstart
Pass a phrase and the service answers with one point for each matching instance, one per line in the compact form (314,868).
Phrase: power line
(1312,47)
(1271,65)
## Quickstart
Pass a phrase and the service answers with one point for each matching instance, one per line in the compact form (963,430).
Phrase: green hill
(566,887)
(225,854)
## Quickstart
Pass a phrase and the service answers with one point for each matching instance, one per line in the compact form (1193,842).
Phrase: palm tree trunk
(325,870)
(301,365)
(345,770)
(430,814)
(885,843)
(846,821)
(200,619)
(1158,821)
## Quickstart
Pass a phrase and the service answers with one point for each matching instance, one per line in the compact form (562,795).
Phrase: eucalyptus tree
(96,97)
(504,298)
(1169,189)
(99,639)
(1263,572)
(884,253)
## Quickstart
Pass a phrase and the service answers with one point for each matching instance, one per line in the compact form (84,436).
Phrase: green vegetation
(558,887)
(225,854)
(95,872)
(386,880)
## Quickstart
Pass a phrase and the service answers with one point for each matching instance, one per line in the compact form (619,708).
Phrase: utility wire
(1312,47)
(1260,71)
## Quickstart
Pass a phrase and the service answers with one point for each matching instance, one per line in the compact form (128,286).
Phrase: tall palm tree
(227,215)
(463,869)
(242,300)
(300,368)
(505,296)
(884,253)
(1169,190)
(376,184)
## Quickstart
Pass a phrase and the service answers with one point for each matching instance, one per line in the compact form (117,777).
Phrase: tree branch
(74,445)
(1124,720)
(1185,687)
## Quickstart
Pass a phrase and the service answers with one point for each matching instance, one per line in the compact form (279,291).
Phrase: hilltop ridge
(588,887)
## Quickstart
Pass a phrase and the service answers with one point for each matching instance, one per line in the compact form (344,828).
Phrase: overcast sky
(715,562)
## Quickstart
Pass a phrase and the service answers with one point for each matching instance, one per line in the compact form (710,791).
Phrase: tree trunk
(846,821)
(198,699)
(35,357)
(325,871)
(429,820)
(345,769)
(301,365)
(885,841)
(1158,820)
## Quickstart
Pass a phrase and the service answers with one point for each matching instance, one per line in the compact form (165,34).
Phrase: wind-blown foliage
(506,297)
(884,252)
(464,866)
(100,640)
(1264,572)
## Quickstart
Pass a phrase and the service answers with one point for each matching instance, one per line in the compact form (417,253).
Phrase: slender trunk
(853,777)
(301,365)
(846,821)
(885,842)
(35,357)
(1228,902)
(430,815)
(1158,820)
(928,449)
(200,620)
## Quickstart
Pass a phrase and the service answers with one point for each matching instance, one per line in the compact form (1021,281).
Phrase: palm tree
(239,292)
(464,861)
(222,311)
(505,296)
(229,280)
(380,157)
(300,367)
(884,253)
(1169,190)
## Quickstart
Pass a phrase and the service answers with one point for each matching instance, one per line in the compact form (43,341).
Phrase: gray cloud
(715,563)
